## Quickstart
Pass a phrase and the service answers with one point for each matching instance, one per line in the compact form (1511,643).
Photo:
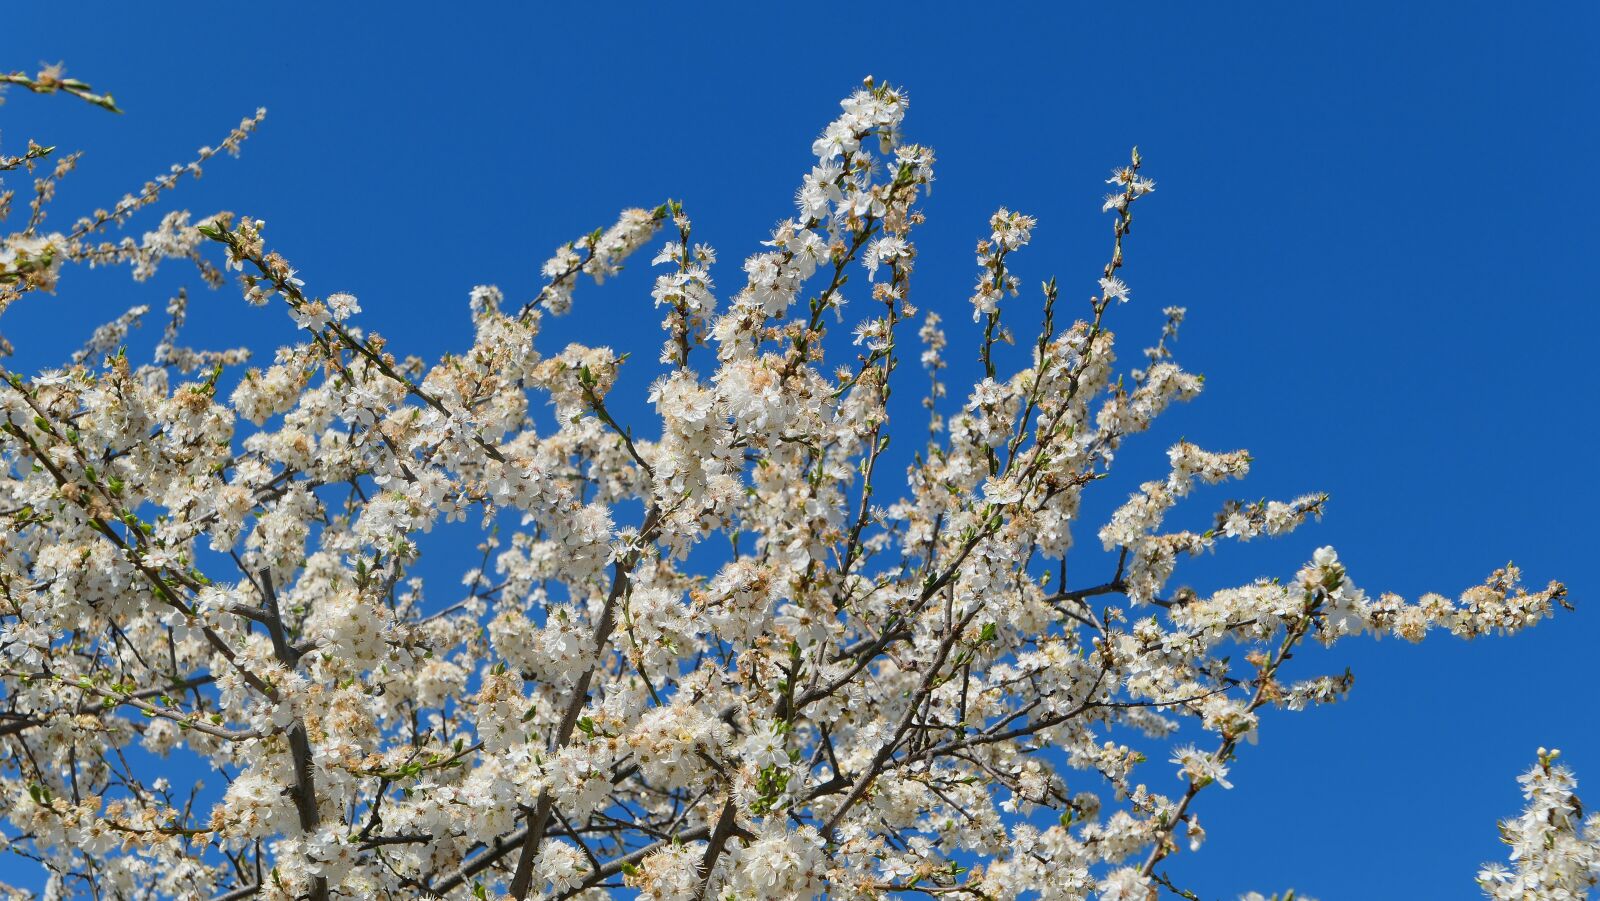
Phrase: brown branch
(622,570)
(304,791)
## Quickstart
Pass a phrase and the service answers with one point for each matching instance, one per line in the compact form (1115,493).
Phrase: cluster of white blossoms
(708,656)
(1555,849)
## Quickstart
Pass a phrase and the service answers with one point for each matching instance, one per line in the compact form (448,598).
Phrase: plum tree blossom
(1555,849)
(732,652)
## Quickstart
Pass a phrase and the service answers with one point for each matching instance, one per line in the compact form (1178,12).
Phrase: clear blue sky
(1382,220)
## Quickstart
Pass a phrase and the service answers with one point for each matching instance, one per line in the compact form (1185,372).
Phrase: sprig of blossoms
(1555,849)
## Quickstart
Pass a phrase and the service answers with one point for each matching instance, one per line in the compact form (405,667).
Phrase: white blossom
(509,623)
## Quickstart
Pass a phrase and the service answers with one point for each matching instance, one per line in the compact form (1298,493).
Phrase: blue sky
(1382,221)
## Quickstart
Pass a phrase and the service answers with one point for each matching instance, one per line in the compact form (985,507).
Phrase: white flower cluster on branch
(711,656)
(1555,849)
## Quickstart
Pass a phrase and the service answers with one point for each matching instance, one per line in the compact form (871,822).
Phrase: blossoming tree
(208,573)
